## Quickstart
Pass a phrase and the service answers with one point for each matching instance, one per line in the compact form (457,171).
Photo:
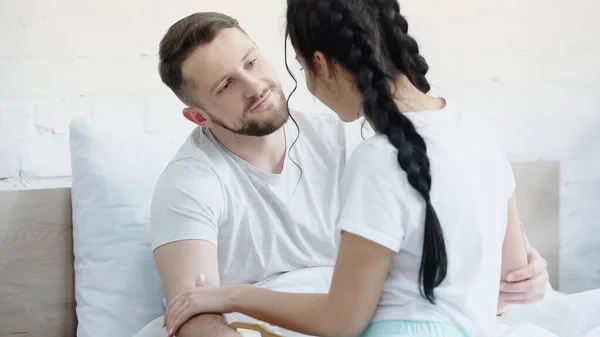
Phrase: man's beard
(277,117)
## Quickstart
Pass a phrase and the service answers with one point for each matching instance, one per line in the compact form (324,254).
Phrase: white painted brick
(34,77)
(53,114)
(165,112)
(154,21)
(80,28)
(34,183)
(80,76)
(533,123)
(580,227)
(15,41)
(129,112)
(10,161)
(525,70)
(14,123)
(81,37)
(46,156)
(513,25)
(579,268)
(5,185)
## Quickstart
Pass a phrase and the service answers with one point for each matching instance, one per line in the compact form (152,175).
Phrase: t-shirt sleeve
(187,204)
(355,134)
(373,194)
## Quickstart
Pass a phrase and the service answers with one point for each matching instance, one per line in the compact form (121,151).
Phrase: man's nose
(253,87)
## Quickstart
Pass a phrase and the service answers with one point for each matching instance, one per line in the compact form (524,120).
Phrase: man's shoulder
(185,178)
(198,146)
(198,158)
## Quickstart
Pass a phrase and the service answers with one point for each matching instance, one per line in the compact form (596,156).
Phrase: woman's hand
(199,300)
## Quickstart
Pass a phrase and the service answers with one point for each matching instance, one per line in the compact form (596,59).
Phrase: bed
(36,264)
(39,242)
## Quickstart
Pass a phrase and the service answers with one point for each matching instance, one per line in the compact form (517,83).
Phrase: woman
(428,207)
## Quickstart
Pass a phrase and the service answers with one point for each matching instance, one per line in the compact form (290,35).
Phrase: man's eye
(251,64)
(226,86)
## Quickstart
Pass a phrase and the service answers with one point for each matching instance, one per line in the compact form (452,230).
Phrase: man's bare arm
(514,248)
(179,265)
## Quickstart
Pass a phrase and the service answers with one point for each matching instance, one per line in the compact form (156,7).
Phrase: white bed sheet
(562,315)
(565,315)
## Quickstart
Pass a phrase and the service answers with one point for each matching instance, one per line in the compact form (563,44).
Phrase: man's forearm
(207,325)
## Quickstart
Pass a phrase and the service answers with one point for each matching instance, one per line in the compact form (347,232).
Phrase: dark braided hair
(348,32)
(403,49)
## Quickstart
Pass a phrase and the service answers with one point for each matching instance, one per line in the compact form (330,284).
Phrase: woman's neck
(408,98)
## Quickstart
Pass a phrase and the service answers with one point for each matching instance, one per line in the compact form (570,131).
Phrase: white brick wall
(532,67)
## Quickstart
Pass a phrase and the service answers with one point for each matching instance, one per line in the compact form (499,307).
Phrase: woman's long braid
(403,49)
(347,42)
(380,108)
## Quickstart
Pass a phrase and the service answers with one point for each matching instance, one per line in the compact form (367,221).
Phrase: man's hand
(528,284)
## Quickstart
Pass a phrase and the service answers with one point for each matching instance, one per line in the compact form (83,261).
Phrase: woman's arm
(360,272)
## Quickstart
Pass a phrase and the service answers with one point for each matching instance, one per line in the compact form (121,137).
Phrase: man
(253,193)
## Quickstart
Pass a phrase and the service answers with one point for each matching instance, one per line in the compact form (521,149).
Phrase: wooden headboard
(36,250)
(37,297)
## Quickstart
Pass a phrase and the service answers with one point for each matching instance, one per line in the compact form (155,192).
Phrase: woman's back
(471,184)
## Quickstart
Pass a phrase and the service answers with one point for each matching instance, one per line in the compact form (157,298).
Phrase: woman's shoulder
(375,145)
(374,154)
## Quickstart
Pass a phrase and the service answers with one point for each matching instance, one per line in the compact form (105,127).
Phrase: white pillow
(117,287)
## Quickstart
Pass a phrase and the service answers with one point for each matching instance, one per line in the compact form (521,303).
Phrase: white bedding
(565,315)
(562,315)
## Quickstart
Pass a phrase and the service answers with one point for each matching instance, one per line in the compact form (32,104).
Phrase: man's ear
(196,116)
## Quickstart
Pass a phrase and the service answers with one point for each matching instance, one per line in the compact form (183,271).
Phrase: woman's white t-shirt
(471,184)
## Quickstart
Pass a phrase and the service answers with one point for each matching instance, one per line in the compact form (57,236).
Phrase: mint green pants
(412,329)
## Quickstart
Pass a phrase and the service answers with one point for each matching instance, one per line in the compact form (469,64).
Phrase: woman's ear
(326,71)
(323,68)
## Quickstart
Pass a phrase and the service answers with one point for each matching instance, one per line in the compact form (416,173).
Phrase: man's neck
(266,153)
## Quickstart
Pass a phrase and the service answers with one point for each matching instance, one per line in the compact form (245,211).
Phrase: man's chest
(264,234)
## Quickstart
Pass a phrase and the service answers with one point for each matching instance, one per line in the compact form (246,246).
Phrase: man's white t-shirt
(262,224)
(471,184)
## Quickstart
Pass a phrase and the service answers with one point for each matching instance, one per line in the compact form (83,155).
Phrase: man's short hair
(181,40)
